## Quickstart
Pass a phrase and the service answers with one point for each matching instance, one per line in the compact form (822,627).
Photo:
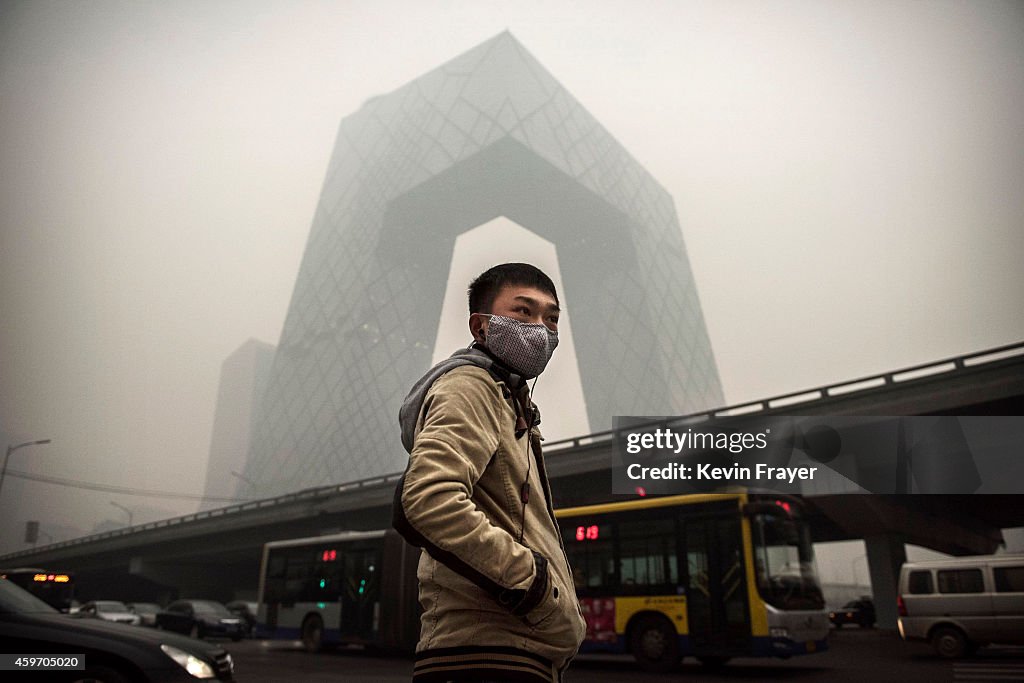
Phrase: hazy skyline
(847,177)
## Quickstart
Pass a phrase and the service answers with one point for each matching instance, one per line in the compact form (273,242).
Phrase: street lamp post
(117,505)
(11,449)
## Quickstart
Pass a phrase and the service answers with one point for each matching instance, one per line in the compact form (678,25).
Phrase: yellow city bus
(713,576)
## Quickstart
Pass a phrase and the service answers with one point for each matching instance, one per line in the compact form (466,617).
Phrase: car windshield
(214,608)
(17,600)
(784,558)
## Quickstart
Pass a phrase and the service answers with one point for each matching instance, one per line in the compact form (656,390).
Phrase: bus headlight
(778,632)
(189,662)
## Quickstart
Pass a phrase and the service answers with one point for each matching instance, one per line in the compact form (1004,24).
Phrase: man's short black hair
(484,289)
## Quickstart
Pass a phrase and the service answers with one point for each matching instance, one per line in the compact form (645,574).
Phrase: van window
(1009,579)
(920,583)
(960,581)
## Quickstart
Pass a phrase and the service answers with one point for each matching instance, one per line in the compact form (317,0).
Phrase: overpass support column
(886,552)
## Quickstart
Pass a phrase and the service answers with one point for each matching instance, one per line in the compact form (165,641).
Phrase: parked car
(860,611)
(246,611)
(200,619)
(113,653)
(108,610)
(960,604)
(146,611)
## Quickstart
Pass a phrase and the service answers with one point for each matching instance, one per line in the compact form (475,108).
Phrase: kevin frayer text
(737,472)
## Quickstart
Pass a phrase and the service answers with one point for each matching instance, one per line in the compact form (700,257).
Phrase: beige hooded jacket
(495,585)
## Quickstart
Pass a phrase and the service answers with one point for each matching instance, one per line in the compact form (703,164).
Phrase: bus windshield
(784,561)
(56,589)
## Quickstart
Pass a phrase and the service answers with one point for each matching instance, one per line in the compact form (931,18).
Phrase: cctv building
(489,134)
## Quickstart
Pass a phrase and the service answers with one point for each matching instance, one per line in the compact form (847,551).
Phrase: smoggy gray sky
(848,178)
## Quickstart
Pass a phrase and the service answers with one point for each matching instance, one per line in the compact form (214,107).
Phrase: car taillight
(901,606)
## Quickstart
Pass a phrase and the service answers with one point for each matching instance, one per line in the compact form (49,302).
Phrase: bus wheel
(654,643)
(949,642)
(312,633)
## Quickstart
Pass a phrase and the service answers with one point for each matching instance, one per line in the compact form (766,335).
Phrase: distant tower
(243,381)
(491,133)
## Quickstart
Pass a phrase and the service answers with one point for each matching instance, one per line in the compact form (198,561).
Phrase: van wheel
(654,643)
(312,633)
(949,642)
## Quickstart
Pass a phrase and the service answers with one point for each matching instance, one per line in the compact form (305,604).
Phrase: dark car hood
(109,629)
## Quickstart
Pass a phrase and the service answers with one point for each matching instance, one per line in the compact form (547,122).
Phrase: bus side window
(647,555)
(298,579)
(277,565)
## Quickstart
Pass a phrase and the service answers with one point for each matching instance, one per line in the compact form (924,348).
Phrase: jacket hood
(409,413)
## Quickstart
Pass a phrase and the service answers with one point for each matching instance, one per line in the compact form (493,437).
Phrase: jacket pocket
(558,620)
(544,611)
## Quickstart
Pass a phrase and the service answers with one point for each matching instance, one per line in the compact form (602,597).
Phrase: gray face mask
(524,347)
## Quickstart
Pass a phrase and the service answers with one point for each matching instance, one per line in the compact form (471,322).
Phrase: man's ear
(477,327)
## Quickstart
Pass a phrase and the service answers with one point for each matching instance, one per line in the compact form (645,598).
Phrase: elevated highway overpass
(216,553)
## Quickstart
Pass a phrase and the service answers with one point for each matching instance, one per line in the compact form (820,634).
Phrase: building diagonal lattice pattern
(491,133)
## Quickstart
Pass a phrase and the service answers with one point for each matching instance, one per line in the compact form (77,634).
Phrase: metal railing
(925,370)
(305,494)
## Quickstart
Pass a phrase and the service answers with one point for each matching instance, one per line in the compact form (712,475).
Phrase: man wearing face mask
(495,584)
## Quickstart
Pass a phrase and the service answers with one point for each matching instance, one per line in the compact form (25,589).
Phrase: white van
(962,603)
